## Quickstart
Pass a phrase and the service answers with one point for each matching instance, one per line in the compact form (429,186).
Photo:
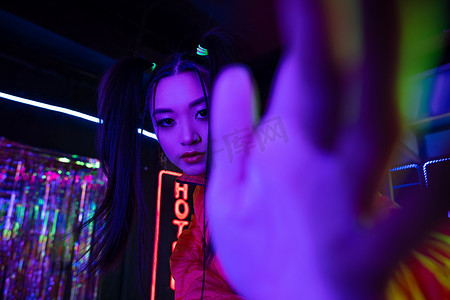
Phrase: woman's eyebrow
(197,102)
(191,105)
(162,110)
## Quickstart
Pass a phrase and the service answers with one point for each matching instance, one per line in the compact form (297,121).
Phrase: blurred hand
(285,212)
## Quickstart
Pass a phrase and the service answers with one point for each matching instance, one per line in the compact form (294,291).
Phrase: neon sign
(173,211)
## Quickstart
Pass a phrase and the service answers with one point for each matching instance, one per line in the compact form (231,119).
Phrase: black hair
(123,97)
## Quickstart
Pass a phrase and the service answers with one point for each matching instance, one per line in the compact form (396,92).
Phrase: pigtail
(121,99)
(217,47)
(220,43)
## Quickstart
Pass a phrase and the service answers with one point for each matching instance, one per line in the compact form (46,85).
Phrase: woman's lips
(192,157)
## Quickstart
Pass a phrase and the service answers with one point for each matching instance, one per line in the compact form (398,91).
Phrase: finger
(376,121)
(392,54)
(233,114)
(306,85)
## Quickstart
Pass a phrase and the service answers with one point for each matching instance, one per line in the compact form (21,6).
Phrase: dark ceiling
(151,28)
(56,52)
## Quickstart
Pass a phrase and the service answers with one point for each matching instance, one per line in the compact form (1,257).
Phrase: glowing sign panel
(173,212)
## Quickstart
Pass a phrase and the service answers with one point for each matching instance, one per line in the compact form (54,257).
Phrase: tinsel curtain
(44,197)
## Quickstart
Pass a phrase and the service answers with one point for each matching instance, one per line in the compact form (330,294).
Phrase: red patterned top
(186,262)
(425,274)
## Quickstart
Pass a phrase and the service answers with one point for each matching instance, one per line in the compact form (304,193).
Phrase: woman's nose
(190,137)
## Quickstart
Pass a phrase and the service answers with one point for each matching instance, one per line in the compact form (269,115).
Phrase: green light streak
(55,220)
(36,211)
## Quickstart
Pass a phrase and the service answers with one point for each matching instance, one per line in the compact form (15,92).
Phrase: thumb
(233,113)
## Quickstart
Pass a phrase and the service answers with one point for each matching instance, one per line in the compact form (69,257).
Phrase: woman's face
(180,119)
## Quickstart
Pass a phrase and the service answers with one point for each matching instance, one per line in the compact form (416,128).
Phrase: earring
(163,160)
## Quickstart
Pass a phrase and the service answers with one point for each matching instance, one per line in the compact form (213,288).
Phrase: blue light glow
(49,107)
(405,167)
(428,163)
(147,133)
(64,111)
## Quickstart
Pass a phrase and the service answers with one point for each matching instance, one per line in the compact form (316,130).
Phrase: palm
(284,214)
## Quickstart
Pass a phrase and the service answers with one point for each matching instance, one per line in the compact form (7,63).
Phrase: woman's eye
(167,122)
(202,114)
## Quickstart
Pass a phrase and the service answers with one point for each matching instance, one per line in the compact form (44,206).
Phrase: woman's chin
(194,173)
(194,170)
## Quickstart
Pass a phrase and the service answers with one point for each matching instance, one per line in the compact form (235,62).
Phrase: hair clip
(150,70)
(201,51)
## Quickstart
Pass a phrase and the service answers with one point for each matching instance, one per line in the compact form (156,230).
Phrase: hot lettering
(181,188)
(180,224)
(181,215)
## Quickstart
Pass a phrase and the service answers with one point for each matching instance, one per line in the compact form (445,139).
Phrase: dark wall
(39,65)
(39,127)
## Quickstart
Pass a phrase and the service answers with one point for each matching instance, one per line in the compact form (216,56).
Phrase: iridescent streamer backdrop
(44,197)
